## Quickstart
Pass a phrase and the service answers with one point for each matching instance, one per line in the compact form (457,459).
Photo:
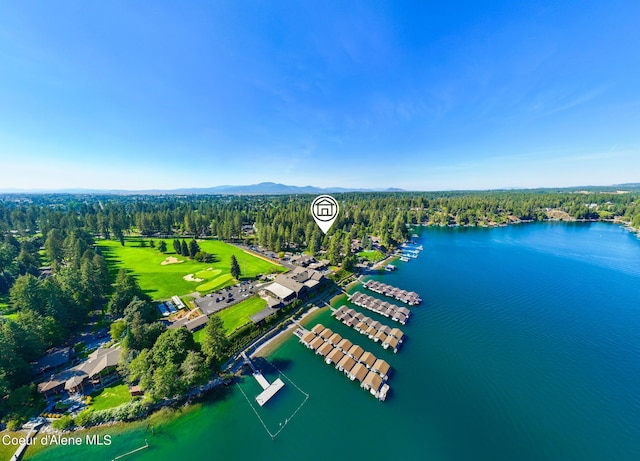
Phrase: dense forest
(52,275)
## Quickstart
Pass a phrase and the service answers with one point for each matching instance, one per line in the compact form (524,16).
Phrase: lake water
(527,347)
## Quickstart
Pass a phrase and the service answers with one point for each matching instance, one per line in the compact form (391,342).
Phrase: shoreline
(153,422)
(271,345)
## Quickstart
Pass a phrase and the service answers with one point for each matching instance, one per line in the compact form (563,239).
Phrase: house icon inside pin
(324,208)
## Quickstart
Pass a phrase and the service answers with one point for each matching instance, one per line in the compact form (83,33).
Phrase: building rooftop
(381,367)
(368,359)
(372,381)
(325,349)
(359,371)
(335,355)
(316,343)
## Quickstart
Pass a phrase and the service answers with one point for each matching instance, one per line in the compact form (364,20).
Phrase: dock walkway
(408,297)
(268,389)
(395,313)
(33,430)
(377,332)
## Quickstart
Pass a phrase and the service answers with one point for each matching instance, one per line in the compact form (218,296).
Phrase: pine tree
(176,246)
(184,249)
(162,246)
(193,248)
(235,268)
(215,342)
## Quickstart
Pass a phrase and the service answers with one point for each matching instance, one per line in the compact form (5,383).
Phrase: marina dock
(377,332)
(395,313)
(268,389)
(408,297)
(357,364)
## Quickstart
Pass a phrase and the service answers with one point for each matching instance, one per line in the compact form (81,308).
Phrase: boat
(390,268)
(404,259)
(382,395)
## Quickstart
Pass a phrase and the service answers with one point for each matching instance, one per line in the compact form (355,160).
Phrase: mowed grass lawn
(110,397)
(373,256)
(163,281)
(236,316)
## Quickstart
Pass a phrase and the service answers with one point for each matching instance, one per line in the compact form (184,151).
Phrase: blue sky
(421,95)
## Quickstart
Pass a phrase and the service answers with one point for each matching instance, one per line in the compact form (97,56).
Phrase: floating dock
(395,313)
(268,389)
(408,297)
(377,332)
(356,363)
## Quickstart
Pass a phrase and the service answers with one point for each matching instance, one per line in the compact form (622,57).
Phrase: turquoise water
(527,347)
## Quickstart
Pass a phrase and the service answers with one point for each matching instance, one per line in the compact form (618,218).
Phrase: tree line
(45,311)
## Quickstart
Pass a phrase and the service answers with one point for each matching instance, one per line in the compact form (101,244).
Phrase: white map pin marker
(325,211)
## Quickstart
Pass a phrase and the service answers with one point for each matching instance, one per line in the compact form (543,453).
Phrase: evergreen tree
(162,246)
(169,367)
(177,247)
(235,268)
(193,248)
(333,252)
(214,342)
(348,263)
(102,274)
(53,247)
(184,249)
(126,288)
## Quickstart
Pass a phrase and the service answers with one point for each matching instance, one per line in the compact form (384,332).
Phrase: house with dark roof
(100,365)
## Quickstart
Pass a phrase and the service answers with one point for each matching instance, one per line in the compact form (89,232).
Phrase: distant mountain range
(271,188)
(264,188)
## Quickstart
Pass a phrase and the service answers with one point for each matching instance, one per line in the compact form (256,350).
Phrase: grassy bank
(7,451)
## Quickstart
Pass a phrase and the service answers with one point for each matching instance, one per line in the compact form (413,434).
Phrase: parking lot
(221,299)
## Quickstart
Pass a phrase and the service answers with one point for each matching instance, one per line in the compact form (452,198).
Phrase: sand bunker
(191,278)
(171,260)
